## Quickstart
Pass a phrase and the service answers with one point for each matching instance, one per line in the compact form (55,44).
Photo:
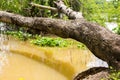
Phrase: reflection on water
(4,47)
(3,38)
(3,61)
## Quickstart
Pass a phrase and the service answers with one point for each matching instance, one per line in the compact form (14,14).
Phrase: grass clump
(81,46)
(38,40)
(46,41)
(51,42)
(20,35)
(115,76)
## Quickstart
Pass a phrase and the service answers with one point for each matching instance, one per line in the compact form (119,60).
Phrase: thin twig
(44,7)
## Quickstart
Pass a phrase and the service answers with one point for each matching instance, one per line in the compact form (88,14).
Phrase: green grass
(20,35)
(51,42)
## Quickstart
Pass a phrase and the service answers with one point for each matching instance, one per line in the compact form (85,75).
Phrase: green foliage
(13,5)
(99,11)
(23,7)
(45,41)
(117,29)
(19,34)
(38,40)
(51,42)
(115,75)
(81,46)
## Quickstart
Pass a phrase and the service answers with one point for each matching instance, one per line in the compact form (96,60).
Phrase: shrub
(51,42)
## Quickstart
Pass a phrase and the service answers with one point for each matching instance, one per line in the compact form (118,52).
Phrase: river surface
(25,61)
(20,60)
(21,68)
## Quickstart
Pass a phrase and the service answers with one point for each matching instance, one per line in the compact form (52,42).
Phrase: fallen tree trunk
(101,42)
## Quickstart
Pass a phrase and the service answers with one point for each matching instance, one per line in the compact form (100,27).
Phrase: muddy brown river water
(25,61)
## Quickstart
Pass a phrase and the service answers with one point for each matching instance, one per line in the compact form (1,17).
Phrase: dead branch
(44,7)
(69,12)
(61,7)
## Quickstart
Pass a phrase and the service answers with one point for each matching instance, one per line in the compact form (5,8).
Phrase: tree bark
(69,12)
(95,73)
(100,41)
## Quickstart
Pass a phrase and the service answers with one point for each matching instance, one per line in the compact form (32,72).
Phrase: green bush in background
(51,42)
(117,29)
(99,11)
(13,5)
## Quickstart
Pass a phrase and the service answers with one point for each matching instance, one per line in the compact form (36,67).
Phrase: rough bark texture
(101,42)
(96,73)
(61,8)
(69,12)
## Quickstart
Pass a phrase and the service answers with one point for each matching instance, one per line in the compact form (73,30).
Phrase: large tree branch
(68,11)
(101,42)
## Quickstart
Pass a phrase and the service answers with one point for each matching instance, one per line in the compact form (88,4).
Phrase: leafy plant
(99,11)
(45,41)
(115,75)
(38,40)
(81,46)
(13,5)
(51,42)
(19,34)
(117,29)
